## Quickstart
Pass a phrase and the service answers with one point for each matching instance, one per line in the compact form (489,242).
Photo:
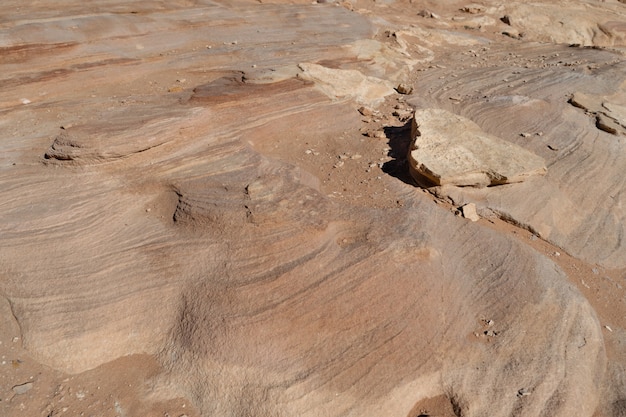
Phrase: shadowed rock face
(191,181)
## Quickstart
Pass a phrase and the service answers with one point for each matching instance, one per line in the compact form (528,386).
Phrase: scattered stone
(473,9)
(404,89)
(552,148)
(557,254)
(512,33)
(339,164)
(356,156)
(22,388)
(365,111)
(25,101)
(428,14)
(523,392)
(378,134)
(506,19)
(608,328)
(525,135)
(402,115)
(469,212)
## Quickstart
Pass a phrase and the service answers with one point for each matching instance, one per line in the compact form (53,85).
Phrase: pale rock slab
(450,149)
(340,83)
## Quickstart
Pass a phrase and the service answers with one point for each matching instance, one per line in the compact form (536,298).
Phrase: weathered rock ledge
(448,149)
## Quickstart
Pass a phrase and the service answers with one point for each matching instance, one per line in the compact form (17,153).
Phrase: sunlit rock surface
(210,203)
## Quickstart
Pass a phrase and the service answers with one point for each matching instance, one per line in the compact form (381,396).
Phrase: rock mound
(451,150)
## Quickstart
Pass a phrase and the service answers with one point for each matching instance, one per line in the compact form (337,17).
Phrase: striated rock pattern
(221,190)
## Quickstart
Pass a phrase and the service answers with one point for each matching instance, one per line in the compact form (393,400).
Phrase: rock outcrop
(448,149)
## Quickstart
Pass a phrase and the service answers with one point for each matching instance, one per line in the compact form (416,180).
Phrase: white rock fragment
(469,212)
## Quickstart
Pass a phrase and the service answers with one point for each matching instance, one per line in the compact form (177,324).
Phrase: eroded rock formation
(210,204)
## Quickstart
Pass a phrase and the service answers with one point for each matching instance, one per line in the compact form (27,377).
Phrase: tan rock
(469,212)
(340,83)
(450,149)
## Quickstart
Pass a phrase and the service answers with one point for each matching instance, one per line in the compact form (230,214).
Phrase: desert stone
(450,149)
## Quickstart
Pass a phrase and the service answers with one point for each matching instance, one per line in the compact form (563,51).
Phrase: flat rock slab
(449,149)
(339,83)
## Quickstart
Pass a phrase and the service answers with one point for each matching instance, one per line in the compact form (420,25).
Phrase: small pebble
(404,89)
(22,388)
(365,111)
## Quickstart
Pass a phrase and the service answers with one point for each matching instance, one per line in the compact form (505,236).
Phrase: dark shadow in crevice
(399,142)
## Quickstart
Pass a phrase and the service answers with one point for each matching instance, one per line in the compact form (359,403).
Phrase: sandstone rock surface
(451,150)
(197,219)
